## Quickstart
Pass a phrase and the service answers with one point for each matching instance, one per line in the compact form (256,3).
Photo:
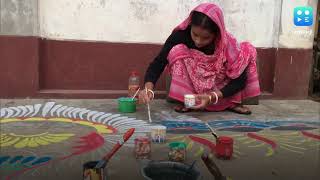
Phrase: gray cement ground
(294,128)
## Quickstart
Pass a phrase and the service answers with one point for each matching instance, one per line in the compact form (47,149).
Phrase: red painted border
(19,59)
(43,68)
(311,135)
(263,139)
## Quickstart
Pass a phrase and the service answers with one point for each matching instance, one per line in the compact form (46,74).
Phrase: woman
(205,60)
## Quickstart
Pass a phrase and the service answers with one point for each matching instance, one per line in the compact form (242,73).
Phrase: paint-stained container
(92,173)
(177,151)
(224,147)
(142,147)
(127,105)
(158,133)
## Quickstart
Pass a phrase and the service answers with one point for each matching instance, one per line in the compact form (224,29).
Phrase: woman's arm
(234,86)
(157,66)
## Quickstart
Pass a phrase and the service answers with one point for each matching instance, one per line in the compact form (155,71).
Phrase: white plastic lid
(158,127)
(189,96)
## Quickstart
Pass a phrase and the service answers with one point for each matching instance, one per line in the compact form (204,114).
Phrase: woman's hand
(207,99)
(146,95)
(204,99)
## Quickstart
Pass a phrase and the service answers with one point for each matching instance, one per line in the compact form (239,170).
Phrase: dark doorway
(315,77)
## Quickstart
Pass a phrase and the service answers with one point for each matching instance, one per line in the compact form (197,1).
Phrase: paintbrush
(212,167)
(212,131)
(135,94)
(149,114)
(148,105)
(103,162)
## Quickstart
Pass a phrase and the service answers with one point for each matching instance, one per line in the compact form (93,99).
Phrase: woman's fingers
(202,105)
(150,96)
(203,98)
(142,98)
(145,97)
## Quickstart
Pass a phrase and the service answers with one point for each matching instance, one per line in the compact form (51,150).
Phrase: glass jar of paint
(177,151)
(158,134)
(142,148)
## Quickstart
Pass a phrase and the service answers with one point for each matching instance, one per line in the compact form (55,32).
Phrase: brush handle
(212,167)
(212,131)
(148,106)
(135,93)
(125,138)
(149,114)
(215,135)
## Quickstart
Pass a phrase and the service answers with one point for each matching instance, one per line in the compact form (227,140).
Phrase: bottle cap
(134,73)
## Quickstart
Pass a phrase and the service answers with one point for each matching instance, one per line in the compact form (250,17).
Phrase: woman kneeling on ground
(205,60)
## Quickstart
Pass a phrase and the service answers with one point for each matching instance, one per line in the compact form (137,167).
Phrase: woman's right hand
(146,95)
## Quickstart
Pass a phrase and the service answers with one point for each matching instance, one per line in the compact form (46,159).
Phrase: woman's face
(201,37)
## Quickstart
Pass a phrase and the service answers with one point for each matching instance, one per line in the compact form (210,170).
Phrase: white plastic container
(189,100)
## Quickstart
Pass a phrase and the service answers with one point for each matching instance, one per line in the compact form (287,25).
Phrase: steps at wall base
(88,94)
(250,101)
(112,94)
(266,95)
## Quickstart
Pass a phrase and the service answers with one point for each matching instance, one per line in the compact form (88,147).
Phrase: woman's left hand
(204,101)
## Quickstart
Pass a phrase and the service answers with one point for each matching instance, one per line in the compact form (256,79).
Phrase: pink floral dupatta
(194,72)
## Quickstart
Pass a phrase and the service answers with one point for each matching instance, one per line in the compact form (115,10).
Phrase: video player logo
(303,16)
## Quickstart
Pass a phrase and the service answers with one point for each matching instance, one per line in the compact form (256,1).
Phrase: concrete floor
(51,139)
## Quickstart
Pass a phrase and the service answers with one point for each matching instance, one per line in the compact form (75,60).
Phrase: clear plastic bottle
(134,83)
